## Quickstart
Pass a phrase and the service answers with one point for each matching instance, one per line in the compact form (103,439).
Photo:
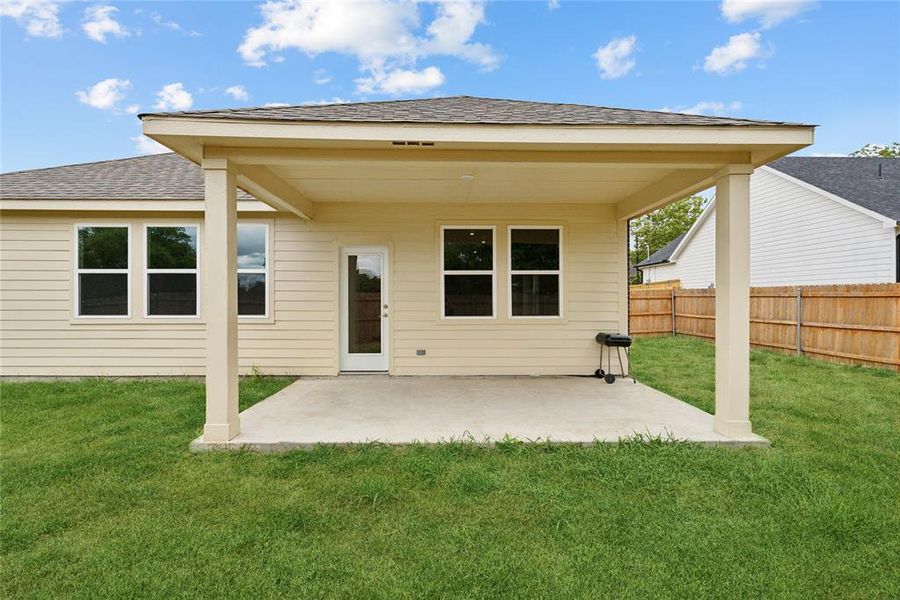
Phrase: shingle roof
(663,254)
(853,179)
(155,177)
(466,110)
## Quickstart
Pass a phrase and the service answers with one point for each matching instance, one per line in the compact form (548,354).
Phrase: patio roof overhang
(292,166)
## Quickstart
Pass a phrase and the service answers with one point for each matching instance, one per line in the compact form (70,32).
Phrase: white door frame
(364,362)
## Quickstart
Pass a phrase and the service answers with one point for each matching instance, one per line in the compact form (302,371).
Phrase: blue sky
(74,74)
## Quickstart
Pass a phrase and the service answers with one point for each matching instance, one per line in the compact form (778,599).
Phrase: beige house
(446,236)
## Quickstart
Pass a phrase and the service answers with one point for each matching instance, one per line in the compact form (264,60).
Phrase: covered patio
(360,409)
(392,174)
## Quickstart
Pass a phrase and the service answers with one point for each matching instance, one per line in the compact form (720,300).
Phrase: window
(467,271)
(101,272)
(252,269)
(171,261)
(534,271)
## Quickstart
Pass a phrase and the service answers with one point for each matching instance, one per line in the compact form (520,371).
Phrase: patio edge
(198,446)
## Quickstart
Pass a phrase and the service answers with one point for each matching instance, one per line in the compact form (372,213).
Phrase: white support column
(622,278)
(220,302)
(732,416)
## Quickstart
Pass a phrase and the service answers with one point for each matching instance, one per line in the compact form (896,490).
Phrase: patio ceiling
(294,166)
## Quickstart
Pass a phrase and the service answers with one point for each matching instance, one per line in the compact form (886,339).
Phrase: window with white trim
(102,271)
(172,281)
(252,269)
(468,267)
(535,267)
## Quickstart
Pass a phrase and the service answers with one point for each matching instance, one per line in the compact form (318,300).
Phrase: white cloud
(552,4)
(104,95)
(275,104)
(615,58)
(400,81)
(716,109)
(321,77)
(768,12)
(99,23)
(145,145)
(335,100)
(386,37)
(173,97)
(733,56)
(40,18)
(238,92)
(170,25)
(132,109)
(452,30)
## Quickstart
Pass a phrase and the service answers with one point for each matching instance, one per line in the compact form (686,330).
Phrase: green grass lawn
(100,498)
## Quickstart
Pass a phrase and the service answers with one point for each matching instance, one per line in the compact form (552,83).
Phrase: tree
(654,230)
(877,150)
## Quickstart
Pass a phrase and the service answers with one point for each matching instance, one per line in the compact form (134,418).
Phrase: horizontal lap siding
(39,337)
(502,345)
(797,237)
(800,237)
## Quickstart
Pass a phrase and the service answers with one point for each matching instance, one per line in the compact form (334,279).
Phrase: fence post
(799,319)
(673,311)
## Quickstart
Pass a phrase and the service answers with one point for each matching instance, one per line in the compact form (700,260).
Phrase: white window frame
(148,271)
(492,272)
(76,304)
(258,271)
(558,272)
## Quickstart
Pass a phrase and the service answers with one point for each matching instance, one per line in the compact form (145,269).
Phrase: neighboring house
(459,236)
(813,220)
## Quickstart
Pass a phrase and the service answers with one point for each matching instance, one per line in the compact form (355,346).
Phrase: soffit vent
(411,143)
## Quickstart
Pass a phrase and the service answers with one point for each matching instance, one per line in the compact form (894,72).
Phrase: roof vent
(880,174)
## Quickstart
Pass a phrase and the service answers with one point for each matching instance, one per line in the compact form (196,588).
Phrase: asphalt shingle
(155,177)
(467,110)
(663,254)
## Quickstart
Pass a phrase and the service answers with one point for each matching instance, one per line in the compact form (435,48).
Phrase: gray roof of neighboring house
(662,255)
(467,110)
(155,177)
(853,179)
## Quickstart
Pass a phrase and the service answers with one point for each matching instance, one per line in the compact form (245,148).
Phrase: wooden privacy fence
(857,324)
(665,284)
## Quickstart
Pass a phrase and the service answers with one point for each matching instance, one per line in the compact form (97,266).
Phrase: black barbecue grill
(609,341)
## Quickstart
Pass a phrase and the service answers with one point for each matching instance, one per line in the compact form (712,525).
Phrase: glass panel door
(364,303)
(364,309)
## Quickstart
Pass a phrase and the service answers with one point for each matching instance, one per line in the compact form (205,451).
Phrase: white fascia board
(125,205)
(208,129)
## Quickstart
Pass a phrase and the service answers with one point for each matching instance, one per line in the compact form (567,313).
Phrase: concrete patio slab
(357,409)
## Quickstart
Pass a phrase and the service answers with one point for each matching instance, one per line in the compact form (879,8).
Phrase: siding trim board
(707,210)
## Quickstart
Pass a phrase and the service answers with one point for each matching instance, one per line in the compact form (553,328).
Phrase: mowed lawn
(100,498)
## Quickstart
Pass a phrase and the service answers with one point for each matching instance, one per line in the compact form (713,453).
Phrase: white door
(364,309)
